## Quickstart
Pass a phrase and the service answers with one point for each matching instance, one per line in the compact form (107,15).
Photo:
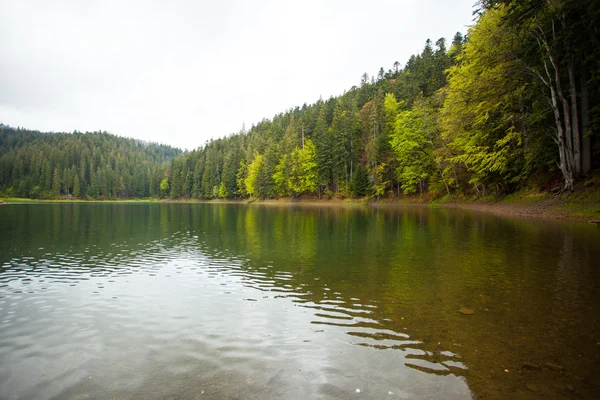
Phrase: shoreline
(583,206)
(547,208)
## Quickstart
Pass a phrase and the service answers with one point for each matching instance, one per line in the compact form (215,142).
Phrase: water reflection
(288,302)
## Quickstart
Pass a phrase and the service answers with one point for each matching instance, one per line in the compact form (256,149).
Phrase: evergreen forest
(93,165)
(513,103)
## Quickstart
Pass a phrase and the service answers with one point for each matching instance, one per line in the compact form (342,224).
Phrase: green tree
(359,185)
(413,143)
(230,167)
(558,46)
(323,140)
(35,192)
(164,188)
(240,179)
(257,182)
(76,187)
(223,192)
(484,117)
(381,181)
(303,169)
(291,139)
(281,177)
(344,148)
(56,182)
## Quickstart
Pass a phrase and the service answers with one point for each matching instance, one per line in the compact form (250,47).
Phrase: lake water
(194,301)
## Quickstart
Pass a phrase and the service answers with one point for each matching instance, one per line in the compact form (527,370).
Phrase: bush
(35,192)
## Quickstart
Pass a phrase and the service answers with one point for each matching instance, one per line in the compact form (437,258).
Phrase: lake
(232,301)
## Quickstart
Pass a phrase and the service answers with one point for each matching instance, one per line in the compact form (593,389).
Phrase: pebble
(466,311)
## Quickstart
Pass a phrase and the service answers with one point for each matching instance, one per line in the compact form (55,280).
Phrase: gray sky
(182,72)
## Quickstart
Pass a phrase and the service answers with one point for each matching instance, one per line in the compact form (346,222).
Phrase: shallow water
(187,301)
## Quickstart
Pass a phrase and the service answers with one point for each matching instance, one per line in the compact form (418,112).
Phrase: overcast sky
(182,72)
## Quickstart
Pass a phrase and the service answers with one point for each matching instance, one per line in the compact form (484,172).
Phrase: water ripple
(171,309)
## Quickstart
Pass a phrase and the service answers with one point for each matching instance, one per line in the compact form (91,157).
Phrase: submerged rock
(466,311)
(532,387)
(555,367)
(528,365)
(570,388)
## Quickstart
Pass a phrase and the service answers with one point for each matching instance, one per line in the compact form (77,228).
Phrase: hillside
(513,105)
(92,164)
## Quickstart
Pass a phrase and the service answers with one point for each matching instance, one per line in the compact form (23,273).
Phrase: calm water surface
(194,301)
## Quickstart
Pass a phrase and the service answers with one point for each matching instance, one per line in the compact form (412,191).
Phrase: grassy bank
(582,205)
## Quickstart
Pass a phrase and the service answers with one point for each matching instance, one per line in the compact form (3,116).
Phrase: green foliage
(35,192)
(359,185)
(381,184)
(323,139)
(76,187)
(223,193)
(230,167)
(391,107)
(56,183)
(483,114)
(103,165)
(257,182)
(281,177)
(240,179)
(164,187)
(413,139)
(304,173)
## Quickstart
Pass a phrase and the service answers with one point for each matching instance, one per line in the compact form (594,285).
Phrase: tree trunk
(575,118)
(563,132)
(586,142)
(443,178)
(563,145)
(568,128)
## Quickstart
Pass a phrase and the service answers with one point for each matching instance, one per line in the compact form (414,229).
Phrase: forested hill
(512,104)
(516,103)
(92,164)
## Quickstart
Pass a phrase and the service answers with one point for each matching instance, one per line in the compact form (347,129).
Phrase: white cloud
(181,72)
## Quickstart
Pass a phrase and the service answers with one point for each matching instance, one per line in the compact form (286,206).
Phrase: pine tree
(76,187)
(56,182)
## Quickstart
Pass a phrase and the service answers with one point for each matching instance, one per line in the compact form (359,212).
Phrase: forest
(93,165)
(514,103)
